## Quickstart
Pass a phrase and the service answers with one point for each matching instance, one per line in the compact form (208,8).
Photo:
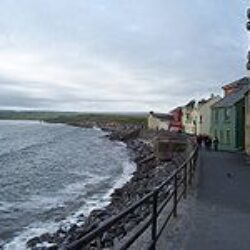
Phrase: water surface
(51,172)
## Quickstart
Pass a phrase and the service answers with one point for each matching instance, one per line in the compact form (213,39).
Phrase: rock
(107,239)
(32,242)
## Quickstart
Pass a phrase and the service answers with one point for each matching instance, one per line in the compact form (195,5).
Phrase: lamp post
(248,29)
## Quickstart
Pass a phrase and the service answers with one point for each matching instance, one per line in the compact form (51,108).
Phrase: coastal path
(217,214)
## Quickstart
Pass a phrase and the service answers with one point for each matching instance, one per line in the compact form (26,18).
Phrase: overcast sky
(118,55)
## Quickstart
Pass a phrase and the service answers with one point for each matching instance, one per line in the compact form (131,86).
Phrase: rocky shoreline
(149,173)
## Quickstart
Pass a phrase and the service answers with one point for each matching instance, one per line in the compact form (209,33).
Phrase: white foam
(128,170)
(120,143)
(97,128)
(19,242)
(37,229)
(69,193)
(45,244)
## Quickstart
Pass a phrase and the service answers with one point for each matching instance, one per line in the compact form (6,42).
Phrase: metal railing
(169,192)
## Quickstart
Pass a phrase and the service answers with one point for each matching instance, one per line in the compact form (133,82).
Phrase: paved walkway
(218,215)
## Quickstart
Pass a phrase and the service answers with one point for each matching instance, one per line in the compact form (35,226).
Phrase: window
(215,133)
(221,136)
(200,119)
(228,136)
(226,114)
(216,115)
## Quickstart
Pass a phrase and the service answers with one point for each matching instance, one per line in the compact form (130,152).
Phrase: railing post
(154,220)
(185,182)
(190,172)
(175,194)
(99,242)
(195,159)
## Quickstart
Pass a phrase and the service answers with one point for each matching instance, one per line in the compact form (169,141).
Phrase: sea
(52,173)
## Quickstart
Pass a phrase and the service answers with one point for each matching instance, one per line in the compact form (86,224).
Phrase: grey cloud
(169,51)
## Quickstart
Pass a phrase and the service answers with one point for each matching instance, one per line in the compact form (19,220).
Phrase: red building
(176,122)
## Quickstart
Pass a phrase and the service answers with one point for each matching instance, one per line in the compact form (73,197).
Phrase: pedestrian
(208,143)
(215,143)
(199,140)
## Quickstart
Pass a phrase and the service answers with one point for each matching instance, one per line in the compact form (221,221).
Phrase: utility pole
(247,96)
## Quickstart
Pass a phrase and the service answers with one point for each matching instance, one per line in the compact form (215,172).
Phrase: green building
(228,116)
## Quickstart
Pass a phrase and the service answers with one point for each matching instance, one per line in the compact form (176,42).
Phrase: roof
(213,99)
(241,82)
(175,109)
(162,116)
(203,101)
(232,98)
(190,104)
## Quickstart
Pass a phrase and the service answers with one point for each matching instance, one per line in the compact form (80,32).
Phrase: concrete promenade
(217,214)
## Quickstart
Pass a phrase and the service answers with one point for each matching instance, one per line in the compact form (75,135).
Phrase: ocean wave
(93,202)
(59,135)
(2,138)
(5,206)
(60,183)
(33,230)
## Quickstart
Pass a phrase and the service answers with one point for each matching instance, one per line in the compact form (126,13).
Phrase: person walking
(199,140)
(216,143)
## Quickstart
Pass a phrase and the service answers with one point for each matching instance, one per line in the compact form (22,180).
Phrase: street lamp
(248,60)
(248,17)
(248,28)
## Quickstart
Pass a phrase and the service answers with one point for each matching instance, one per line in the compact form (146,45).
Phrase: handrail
(109,222)
(188,166)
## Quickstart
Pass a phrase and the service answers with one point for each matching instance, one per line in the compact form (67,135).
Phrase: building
(204,113)
(176,122)
(159,121)
(228,116)
(196,116)
(247,122)
(189,114)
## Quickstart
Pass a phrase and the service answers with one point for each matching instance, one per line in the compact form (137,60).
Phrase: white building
(189,117)
(158,121)
(204,115)
(196,118)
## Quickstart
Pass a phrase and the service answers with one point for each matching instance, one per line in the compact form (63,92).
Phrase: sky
(118,55)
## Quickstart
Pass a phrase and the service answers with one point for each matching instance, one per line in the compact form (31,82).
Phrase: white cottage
(159,121)
(196,117)
(204,115)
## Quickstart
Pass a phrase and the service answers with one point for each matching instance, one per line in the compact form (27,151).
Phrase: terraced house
(196,116)
(228,116)
(189,114)
(203,119)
